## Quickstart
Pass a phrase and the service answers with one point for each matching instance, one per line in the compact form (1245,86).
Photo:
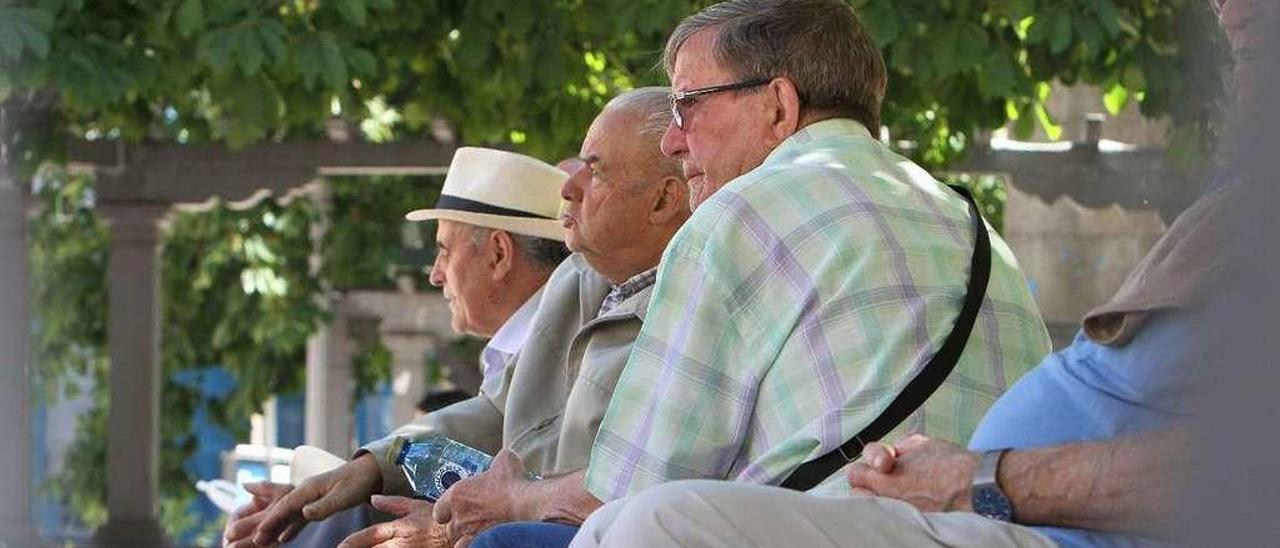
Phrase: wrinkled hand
(243,522)
(932,475)
(319,497)
(480,502)
(413,526)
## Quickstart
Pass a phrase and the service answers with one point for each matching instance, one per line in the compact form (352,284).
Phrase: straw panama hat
(502,190)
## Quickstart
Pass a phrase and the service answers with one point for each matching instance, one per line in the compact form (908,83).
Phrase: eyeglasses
(679,98)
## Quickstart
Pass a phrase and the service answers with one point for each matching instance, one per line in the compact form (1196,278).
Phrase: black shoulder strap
(930,377)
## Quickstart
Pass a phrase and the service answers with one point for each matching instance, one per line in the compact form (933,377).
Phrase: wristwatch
(988,500)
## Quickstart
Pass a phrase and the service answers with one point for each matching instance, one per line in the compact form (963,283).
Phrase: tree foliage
(532,74)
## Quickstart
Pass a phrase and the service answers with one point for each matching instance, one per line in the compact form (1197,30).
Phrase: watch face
(989,502)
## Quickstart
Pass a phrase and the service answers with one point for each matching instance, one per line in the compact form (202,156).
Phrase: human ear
(785,103)
(500,255)
(671,200)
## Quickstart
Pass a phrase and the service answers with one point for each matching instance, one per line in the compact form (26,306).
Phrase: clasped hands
(470,506)
(932,475)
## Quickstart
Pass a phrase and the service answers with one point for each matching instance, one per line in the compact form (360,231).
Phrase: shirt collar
(816,131)
(625,290)
(510,337)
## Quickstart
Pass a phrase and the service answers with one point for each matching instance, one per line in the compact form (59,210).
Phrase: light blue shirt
(1092,392)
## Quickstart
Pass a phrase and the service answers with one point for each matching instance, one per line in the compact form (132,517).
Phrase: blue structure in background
(291,420)
(213,384)
(373,415)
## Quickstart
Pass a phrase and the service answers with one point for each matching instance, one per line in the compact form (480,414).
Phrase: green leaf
(1051,128)
(311,61)
(998,77)
(249,51)
(10,40)
(1060,35)
(1115,99)
(1133,78)
(189,17)
(361,61)
(353,11)
(1025,124)
(1108,16)
(1090,35)
(1037,28)
(24,27)
(960,46)
(382,5)
(272,34)
(883,21)
(334,66)
(215,48)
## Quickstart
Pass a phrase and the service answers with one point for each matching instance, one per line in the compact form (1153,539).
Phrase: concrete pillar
(408,372)
(16,527)
(133,342)
(329,421)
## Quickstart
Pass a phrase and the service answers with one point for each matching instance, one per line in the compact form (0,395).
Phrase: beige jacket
(553,397)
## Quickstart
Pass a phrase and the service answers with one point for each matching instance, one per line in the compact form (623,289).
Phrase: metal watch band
(986,472)
(988,500)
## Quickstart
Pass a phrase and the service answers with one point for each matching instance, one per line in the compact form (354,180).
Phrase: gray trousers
(724,514)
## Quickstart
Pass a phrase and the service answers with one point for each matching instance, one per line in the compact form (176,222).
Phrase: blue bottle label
(434,464)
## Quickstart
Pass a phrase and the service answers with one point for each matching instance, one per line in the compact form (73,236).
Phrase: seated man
(1091,448)
(498,241)
(818,275)
(624,204)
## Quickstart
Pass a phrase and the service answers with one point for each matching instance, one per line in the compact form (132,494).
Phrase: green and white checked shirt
(793,307)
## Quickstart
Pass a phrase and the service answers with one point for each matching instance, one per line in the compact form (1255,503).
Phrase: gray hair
(652,105)
(542,252)
(819,44)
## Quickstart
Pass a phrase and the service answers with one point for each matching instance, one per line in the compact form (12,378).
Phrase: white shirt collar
(509,339)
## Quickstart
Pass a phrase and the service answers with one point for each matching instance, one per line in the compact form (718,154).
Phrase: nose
(673,141)
(436,277)
(571,190)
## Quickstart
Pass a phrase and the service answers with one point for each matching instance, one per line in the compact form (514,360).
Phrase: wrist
(986,497)
(962,499)
(526,504)
(367,469)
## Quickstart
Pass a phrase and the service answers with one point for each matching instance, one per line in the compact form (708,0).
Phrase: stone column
(329,420)
(133,342)
(16,528)
(408,372)
(328,390)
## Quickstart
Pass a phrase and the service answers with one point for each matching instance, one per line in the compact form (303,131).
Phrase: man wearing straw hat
(499,238)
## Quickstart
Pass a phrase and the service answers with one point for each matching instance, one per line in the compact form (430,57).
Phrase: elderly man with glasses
(825,292)
(1092,448)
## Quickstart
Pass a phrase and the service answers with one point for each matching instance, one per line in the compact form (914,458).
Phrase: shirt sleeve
(689,364)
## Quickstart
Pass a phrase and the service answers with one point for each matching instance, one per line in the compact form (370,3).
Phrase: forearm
(561,499)
(1124,485)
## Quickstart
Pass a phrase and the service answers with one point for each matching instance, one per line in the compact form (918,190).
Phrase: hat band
(456,203)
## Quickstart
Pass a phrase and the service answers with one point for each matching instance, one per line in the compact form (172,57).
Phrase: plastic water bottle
(225,495)
(435,463)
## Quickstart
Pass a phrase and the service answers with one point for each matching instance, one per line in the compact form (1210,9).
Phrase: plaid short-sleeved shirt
(793,307)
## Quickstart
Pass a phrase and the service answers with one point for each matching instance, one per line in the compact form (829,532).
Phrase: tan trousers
(724,514)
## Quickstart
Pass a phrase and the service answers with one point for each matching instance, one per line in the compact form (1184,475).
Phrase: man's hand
(245,519)
(480,502)
(932,475)
(319,497)
(413,526)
